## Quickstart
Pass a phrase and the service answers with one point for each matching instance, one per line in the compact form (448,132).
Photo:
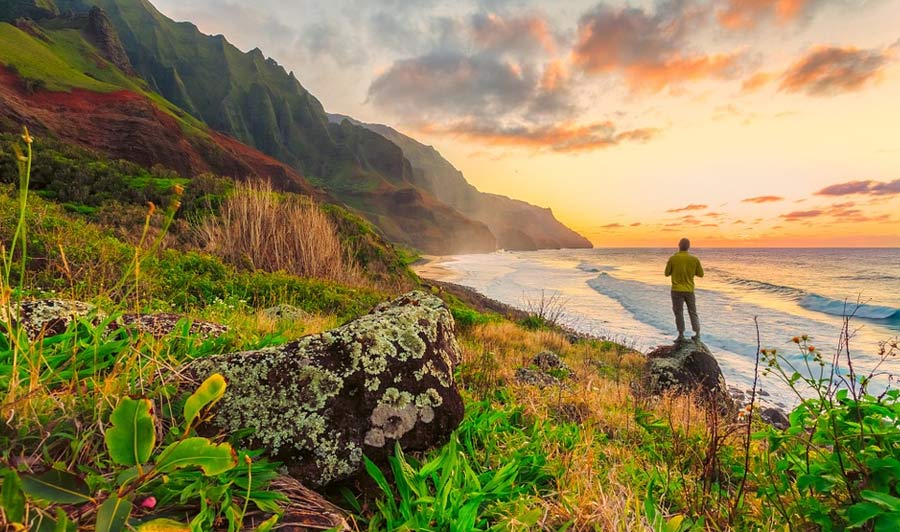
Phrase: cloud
(756,81)
(802,215)
(762,199)
(691,207)
(873,188)
(709,225)
(828,70)
(526,34)
(748,14)
(649,50)
(635,224)
(611,226)
(559,138)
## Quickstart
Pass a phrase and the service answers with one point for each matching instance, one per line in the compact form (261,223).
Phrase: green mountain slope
(253,99)
(516,224)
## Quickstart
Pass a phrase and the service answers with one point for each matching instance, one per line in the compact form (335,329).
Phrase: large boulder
(321,403)
(687,367)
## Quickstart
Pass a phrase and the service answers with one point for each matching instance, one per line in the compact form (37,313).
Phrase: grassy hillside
(570,447)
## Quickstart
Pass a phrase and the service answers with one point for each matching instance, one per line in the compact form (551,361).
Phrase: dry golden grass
(259,229)
(596,489)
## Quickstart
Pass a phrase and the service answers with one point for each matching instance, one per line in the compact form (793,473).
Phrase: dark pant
(678,301)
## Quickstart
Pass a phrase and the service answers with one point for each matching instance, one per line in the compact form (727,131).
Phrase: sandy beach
(430,267)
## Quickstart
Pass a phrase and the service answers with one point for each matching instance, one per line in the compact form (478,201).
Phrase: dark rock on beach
(321,403)
(687,367)
(775,417)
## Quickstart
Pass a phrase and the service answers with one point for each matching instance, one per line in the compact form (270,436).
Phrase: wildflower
(247,460)
(27,137)
(149,503)
(176,205)
(764,352)
(152,207)
(796,339)
(812,349)
(179,190)
(805,337)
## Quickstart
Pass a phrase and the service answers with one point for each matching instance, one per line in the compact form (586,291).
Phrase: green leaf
(56,486)
(882,499)
(132,436)
(213,459)
(212,389)
(163,525)
(862,512)
(268,524)
(112,516)
(889,522)
(12,497)
(63,523)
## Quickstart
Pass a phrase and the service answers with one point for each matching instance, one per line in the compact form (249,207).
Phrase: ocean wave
(789,291)
(837,307)
(590,267)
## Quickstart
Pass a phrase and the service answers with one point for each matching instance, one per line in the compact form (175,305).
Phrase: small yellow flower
(179,190)
(247,460)
(176,205)
(152,207)
(27,137)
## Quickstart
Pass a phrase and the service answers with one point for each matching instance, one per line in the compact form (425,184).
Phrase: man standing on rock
(682,267)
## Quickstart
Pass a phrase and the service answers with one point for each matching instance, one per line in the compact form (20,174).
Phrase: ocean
(622,294)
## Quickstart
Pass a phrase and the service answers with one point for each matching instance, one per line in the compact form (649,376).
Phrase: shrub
(259,230)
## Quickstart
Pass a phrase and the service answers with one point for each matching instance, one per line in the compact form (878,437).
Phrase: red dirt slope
(127,125)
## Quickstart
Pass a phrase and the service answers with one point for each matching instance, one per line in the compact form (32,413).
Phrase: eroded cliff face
(322,402)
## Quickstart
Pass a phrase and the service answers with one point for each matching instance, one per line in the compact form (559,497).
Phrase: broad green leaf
(882,499)
(212,389)
(56,486)
(213,459)
(112,516)
(889,522)
(132,436)
(163,525)
(862,512)
(12,498)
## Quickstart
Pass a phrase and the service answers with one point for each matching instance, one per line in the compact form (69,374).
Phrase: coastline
(429,267)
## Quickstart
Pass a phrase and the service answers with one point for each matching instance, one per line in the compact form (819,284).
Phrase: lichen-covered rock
(549,361)
(687,367)
(159,325)
(285,312)
(533,377)
(322,402)
(48,317)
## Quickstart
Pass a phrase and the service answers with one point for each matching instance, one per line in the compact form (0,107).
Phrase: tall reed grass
(259,229)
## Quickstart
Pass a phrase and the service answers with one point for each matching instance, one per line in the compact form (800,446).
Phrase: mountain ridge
(517,225)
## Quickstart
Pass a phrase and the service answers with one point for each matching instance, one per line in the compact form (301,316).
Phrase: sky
(732,122)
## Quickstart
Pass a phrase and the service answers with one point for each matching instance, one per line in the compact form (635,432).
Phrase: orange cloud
(802,215)
(756,81)
(648,49)
(555,76)
(656,77)
(559,138)
(691,207)
(747,14)
(826,71)
(762,199)
(874,188)
(512,33)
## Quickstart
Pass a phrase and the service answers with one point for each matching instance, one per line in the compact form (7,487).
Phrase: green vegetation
(588,454)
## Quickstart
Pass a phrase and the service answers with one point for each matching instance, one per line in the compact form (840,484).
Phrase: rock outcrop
(43,318)
(687,367)
(321,403)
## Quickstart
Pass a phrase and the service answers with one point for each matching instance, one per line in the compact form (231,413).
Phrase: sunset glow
(737,123)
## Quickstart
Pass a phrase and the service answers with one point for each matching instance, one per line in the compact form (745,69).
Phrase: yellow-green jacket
(682,267)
